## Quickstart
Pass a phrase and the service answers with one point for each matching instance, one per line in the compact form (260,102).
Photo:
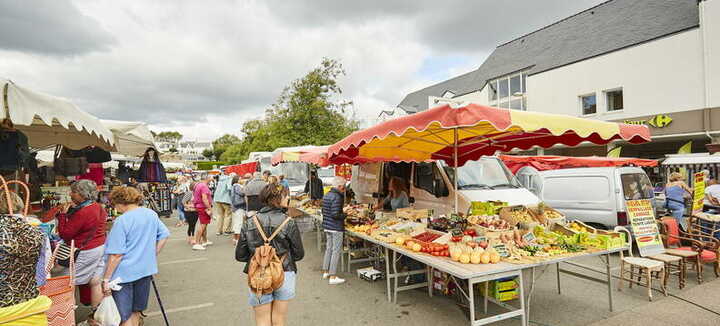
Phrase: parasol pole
(455,158)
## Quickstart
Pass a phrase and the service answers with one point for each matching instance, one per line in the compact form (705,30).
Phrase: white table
(481,273)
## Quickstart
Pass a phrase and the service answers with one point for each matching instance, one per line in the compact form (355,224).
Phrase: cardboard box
(370,274)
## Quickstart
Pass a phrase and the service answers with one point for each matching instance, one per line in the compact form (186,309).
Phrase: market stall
(513,238)
(131,138)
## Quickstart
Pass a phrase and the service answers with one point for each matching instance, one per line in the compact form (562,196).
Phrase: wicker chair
(647,268)
(707,235)
(673,239)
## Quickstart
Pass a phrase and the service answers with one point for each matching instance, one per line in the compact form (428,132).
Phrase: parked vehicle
(593,195)
(431,185)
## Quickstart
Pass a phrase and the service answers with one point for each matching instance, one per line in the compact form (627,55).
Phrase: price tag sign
(480,239)
(645,231)
(502,250)
(529,237)
(699,192)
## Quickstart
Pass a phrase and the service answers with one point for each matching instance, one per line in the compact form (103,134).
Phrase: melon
(485,258)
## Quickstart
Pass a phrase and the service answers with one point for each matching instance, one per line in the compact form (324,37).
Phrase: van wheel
(598,226)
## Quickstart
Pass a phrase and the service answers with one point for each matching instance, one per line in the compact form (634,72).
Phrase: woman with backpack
(270,244)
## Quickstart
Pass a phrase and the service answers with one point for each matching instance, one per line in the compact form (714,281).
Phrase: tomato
(446,253)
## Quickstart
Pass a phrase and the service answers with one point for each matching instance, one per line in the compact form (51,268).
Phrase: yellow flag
(686,149)
(615,152)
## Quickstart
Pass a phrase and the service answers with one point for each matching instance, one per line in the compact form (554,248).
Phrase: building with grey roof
(622,60)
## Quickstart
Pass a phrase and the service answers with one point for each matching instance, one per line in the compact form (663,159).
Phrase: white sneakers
(325,276)
(209,243)
(336,281)
(198,247)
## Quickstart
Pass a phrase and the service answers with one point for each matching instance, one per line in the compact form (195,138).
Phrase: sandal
(141,322)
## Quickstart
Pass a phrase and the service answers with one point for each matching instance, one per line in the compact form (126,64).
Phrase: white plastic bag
(107,313)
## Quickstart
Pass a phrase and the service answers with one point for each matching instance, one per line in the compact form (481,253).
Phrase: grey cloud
(49,27)
(449,26)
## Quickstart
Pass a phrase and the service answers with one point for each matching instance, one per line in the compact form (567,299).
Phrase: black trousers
(191,218)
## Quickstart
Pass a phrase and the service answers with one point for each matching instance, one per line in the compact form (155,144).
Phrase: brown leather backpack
(266,274)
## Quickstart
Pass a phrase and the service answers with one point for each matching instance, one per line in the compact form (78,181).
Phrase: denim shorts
(133,297)
(284,293)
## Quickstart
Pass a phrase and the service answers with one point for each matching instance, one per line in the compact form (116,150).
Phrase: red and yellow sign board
(344,170)
(644,227)
(699,192)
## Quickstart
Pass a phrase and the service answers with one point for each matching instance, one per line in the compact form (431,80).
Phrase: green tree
(221,144)
(172,150)
(169,136)
(208,153)
(308,112)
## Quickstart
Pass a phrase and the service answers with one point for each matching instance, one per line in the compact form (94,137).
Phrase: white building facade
(635,61)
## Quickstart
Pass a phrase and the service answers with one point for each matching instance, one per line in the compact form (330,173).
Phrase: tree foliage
(208,153)
(221,144)
(168,136)
(308,112)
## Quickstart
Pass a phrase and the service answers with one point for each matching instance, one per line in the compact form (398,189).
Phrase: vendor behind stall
(314,186)
(397,197)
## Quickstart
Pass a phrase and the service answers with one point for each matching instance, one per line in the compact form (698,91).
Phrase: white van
(431,185)
(593,195)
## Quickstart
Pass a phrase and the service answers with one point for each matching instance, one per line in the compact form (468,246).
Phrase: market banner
(698,193)
(644,227)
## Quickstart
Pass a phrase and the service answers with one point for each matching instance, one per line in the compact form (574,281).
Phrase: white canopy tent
(48,120)
(131,138)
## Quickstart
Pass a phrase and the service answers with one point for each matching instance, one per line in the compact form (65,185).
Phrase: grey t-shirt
(401,201)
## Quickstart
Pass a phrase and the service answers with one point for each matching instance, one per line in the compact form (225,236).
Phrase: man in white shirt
(712,193)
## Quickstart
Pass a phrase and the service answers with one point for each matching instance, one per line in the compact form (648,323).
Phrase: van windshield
(637,186)
(295,173)
(485,173)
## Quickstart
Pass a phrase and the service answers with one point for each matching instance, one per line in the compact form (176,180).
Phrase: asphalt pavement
(208,288)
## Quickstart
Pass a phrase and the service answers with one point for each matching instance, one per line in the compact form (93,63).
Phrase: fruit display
(575,226)
(427,236)
(543,213)
(466,254)
(361,228)
(519,214)
(490,222)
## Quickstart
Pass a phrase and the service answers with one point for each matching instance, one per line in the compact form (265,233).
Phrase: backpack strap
(274,234)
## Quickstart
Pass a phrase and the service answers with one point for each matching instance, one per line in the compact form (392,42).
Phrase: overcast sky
(203,67)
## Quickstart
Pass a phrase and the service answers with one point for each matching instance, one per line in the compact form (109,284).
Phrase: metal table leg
(524,316)
(609,281)
(387,273)
(471,299)
(557,271)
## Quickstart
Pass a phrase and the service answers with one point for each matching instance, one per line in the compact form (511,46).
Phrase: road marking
(182,261)
(169,311)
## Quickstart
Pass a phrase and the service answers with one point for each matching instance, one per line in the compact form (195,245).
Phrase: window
(503,87)
(428,178)
(637,186)
(588,103)
(508,92)
(448,94)
(614,100)
(492,91)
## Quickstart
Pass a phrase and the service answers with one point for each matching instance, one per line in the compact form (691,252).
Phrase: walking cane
(162,309)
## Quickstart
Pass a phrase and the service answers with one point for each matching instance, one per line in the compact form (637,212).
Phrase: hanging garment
(90,153)
(151,170)
(95,173)
(14,146)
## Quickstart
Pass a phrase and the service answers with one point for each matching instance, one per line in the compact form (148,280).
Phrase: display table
(480,273)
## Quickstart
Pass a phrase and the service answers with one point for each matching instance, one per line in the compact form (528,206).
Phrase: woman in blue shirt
(137,236)
(676,191)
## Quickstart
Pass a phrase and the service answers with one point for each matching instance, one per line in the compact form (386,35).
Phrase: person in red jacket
(83,221)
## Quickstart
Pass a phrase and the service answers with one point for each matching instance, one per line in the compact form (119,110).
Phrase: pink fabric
(201,188)
(542,163)
(672,228)
(95,173)
(707,256)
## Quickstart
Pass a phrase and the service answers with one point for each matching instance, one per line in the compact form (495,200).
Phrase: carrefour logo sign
(658,121)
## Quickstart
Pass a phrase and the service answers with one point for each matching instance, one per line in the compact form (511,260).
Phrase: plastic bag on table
(107,313)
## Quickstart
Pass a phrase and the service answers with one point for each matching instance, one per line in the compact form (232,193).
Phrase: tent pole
(455,158)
